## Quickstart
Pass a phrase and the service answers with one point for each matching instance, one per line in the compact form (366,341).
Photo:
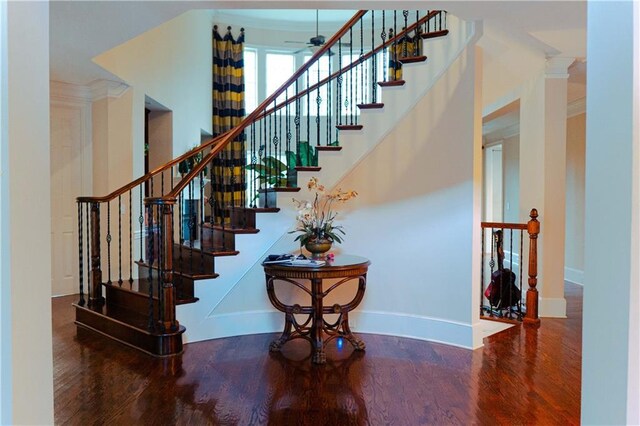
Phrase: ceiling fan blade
(295,41)
(300,50)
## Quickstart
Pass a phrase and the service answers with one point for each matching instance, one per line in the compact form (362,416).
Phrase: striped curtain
(228,111)
(404,48)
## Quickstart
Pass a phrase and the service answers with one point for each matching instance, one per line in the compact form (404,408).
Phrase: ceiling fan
(316,42)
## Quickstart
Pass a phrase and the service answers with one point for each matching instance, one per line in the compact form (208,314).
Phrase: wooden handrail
(501,225)
(147,176)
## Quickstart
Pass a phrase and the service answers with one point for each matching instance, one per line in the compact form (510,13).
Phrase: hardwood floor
(521,376)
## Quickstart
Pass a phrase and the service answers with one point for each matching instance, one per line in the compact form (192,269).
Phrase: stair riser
(183,285)
(133,301)
(219,238)
(243,218)
(163,345)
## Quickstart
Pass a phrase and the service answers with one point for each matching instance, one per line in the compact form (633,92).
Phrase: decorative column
(543,135)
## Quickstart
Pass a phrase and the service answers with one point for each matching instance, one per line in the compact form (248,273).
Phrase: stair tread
(371,106)
(308,168)
(413,59)
(231,230)
(196,276)
(329,148)
(280,189)
(216,251)
(434,34)
(126,316)
(391,83)
(140,287)
(265,209)
(349,127)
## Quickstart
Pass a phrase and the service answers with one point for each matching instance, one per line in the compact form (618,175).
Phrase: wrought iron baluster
(192,221)
(308,95)
(296,121)
(395,45)
(150,260)
(252,181)
(318,103)
(416,36)
(373,62)
(120,239)
(405,51)
(362,82)
(81,302)
(161,263)
(201,221)
(339,89)
(329,86)
(520,268)
(89,237)
(108,242)
(482,251)
(277,146)
(385,51)
(130,239)
(141,220)
(351,70)
(261,152)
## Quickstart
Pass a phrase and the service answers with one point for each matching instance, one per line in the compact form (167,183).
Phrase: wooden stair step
(434,34)
(208,249)
(130,328)
(413,59)
(231,229)
(370,106)
(194,275)
(349,127)
(392,83)
(329,148)
(308,169)
(280,189)
(266,209)
(135,297)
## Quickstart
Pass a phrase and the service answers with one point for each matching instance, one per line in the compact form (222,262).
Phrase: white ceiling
(80,30)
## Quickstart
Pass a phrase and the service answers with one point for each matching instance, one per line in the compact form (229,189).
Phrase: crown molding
(68,92)
(577,107)
(558,67)
(101,89)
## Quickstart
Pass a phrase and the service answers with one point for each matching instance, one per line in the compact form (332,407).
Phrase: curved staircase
(166,252)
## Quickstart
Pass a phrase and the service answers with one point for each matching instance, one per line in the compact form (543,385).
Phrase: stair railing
(506,244)
(281,137)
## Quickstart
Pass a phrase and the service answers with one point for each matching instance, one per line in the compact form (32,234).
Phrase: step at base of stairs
(413,59)
(434,34)
(370,106)
(349,127)
(128,328)
(392,83)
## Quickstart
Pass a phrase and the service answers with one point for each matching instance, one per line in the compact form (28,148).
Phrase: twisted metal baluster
(482,269)
(130,240)
(318,103)
(385,51)
(81,302)
(89,237)
(328,86)
(351,70)
(296,121)
(201,222)
(395,45)
(339,90)
(141,222)
(308,95)
(109,242)
(120,240)
(405,51)
(374,71)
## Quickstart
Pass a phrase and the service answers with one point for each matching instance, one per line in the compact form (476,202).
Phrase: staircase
(144,249)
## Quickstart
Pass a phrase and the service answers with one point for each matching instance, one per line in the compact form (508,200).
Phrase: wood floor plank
(520,376)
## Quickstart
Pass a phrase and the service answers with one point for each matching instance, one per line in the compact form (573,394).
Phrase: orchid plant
(315,219)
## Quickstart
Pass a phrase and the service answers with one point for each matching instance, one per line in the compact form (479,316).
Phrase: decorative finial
(533,214)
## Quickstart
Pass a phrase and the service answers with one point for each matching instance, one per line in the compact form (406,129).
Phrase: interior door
(66,181)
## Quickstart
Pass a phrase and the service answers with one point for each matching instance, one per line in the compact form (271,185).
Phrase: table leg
(276,345)
(317,323)
(358,344)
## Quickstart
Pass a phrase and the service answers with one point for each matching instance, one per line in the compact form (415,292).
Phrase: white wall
(612,253)
(28,201)
(574,248)
(171,64)
(511,184)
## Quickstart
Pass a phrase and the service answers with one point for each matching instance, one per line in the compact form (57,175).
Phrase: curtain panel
(228,175)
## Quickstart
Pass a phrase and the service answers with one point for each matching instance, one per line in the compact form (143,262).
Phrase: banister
(261,111)
(257,112)
(522,226)
(113,195)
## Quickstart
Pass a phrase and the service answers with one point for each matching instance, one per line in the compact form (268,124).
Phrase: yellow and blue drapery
(406,47)
(228,181)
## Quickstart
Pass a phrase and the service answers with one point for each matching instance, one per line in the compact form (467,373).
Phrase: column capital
(558,67)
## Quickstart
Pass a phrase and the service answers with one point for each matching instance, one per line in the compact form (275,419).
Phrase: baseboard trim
(575,276)
(436,330)
(553,307)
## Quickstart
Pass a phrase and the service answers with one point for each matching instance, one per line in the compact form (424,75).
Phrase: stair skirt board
(362,322)
(158,345)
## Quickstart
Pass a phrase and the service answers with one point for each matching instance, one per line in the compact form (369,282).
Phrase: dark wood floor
(521,376)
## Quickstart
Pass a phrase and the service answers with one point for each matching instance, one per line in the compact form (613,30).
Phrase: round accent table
(344,268)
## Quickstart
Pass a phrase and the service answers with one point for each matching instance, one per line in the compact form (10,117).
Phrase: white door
(66,183)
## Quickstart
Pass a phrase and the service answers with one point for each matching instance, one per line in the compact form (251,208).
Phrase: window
(280,66)
(323,66)
(250,80)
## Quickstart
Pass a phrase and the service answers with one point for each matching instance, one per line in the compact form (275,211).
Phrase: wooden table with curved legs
(344,268)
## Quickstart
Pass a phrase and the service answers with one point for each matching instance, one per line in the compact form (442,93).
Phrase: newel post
(168,308)
(95,274)
(533,228)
